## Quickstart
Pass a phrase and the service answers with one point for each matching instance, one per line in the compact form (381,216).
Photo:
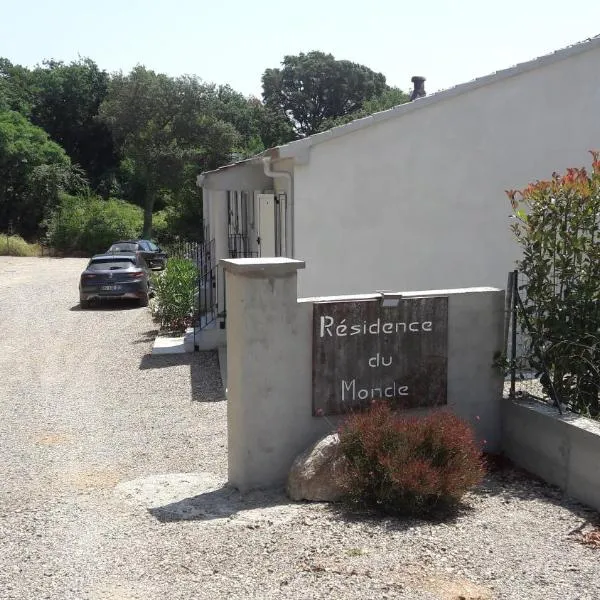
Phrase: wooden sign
(393,348)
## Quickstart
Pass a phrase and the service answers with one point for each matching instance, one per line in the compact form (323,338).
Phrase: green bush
(175,289)
(90,224)
(160,227)
(15,245)
(420,466)
(557,225)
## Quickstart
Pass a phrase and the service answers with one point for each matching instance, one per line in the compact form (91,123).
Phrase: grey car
(123,275)
(154,256)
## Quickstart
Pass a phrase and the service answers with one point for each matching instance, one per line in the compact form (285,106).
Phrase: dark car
(123,275)
(153,255)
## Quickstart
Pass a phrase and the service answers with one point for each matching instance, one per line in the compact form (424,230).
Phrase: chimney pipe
(419,89)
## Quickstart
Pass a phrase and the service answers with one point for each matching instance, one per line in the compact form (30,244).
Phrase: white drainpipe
(289,213)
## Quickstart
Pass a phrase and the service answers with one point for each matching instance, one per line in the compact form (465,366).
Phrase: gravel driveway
(113,487)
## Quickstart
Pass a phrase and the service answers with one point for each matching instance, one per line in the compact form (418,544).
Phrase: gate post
(262,326)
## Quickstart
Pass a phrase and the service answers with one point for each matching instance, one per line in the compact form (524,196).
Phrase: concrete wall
(562,450)
(269,364)
(417,201)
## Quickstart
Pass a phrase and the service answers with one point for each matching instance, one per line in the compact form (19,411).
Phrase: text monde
(329,327)
(352,391)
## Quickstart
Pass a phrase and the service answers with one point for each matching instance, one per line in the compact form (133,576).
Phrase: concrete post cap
(267,266)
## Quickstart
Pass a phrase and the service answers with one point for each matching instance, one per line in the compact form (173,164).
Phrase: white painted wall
(418,200)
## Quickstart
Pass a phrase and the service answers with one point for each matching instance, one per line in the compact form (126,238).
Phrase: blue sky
(448,42)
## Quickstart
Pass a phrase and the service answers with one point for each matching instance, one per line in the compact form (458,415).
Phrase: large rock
(315,474)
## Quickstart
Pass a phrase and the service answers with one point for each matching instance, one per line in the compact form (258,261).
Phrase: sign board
(393,348)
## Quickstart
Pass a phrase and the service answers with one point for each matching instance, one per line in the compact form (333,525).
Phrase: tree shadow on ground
(205,376)
(226,502)
(108,305)
(146,336)
(514,484)
(389,522)
(503,479)
(222,503)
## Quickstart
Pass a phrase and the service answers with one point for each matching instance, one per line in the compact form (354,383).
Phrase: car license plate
(110,288)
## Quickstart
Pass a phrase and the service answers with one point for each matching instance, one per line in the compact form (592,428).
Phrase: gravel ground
(113,488)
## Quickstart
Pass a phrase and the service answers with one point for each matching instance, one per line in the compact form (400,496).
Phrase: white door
(266,224)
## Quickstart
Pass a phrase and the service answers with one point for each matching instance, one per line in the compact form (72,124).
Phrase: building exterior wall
(418,201)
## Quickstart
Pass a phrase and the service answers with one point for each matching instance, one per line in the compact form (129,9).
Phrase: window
(125,247)
(106,264)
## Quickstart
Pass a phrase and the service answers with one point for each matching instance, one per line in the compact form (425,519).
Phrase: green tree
(259,126)
(387,99)
(161,125)
(33,172)
(65,103)
(313,87)
(15,88)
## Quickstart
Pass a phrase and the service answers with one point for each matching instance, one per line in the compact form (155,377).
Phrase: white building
(412,198)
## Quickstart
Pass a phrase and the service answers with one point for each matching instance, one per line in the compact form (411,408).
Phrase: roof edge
(291,149)
(299,148)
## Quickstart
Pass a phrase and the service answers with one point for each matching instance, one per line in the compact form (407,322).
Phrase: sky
(233,42)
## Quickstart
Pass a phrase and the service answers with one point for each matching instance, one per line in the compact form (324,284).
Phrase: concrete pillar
(263,317)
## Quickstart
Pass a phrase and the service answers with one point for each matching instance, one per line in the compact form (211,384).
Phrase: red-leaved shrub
(413,466)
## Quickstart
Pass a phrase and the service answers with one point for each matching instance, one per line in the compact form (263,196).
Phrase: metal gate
(208,301)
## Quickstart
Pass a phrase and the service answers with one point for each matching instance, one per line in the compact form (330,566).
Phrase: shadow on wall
(205,376)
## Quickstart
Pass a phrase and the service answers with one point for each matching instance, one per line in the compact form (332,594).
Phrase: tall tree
(387,99)
(259,126)
(65,103)
(163,124)
(313,87)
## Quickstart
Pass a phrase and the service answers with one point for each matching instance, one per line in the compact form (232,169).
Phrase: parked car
(154,256)
(122,275)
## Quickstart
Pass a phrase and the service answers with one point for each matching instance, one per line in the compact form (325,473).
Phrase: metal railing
(561,370)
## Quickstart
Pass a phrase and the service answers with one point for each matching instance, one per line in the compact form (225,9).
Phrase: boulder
(315,474)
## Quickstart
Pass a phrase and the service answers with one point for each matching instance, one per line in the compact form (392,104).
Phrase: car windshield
(123,248)
(105,264)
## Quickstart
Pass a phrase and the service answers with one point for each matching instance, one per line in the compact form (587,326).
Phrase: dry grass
(15,245)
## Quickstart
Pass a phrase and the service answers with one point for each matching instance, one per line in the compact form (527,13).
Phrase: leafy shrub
(411,466)
(90,224)
(175,289)
(15,245)
(557,225)
(160,226)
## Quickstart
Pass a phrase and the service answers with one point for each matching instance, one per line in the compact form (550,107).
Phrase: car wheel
(144,299)
(83,303)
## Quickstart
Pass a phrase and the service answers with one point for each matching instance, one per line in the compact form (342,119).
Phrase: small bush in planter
(419,466)
(175,289)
